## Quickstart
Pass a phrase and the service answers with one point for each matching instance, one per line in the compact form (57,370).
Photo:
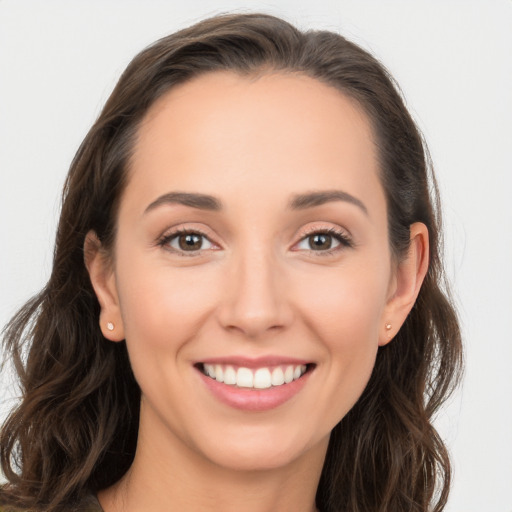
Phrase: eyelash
(165,240)
(340,236)
(345,242)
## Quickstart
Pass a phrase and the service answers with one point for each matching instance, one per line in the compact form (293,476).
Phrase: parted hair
(74,431)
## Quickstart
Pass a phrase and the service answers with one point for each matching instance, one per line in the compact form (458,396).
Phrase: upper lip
(254,362)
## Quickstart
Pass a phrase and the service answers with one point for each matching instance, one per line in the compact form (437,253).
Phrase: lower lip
(250,399)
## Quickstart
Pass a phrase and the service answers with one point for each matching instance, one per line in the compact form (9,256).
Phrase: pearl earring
(110,326)
(388,327)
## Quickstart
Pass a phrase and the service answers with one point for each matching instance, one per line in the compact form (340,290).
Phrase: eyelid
(322,228)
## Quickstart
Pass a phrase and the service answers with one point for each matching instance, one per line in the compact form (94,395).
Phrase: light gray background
(453,59)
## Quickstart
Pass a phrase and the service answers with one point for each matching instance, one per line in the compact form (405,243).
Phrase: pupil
(190,241)
(321,242)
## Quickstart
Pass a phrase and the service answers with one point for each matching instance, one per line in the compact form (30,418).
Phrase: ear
(103,281)
(406,283)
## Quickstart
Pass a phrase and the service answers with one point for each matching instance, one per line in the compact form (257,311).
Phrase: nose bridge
(255,300)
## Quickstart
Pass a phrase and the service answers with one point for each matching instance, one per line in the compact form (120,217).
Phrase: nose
(254,301)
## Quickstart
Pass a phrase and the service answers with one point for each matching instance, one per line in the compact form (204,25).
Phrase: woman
(246,307)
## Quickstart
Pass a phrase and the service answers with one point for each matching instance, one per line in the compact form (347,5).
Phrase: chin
(263,452)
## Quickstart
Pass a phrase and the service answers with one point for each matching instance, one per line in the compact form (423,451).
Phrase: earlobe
(103,282)
(409,277)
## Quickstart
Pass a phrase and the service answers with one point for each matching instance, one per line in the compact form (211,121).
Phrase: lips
(254,384)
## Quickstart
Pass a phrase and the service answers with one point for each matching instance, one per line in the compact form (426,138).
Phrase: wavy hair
(75,429)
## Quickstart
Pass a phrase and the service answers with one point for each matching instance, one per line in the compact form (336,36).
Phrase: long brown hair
(75,429)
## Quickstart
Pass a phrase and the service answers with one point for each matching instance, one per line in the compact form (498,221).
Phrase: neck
(167,475)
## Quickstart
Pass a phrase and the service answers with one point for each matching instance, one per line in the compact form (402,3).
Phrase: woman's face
(252,246)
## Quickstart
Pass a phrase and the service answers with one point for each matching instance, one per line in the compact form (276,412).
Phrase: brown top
(88,504)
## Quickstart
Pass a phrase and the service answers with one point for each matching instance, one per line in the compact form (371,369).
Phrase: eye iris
(320,241)
(190,241)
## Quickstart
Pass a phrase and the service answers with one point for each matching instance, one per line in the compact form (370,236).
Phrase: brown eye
(188,241)
(325,241)
(320,242)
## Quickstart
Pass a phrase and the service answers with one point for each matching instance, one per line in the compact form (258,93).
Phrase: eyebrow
(297,202)
(201,201)
(311,199)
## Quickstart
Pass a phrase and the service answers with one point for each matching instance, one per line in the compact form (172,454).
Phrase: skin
(257,287)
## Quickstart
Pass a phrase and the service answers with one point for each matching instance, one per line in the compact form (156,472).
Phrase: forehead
(281,128)
(253,103)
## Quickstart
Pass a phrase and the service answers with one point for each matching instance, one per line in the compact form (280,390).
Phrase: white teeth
(261,378)
(277,376)
(219,373)
(210,370)
(244,378)
(230,376)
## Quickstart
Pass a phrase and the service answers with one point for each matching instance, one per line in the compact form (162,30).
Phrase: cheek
(349,335)
(344,312)
(161,305)
(163,310)
(345,305)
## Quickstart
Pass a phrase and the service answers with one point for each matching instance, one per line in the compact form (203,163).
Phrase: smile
(256,378)
(254,384)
